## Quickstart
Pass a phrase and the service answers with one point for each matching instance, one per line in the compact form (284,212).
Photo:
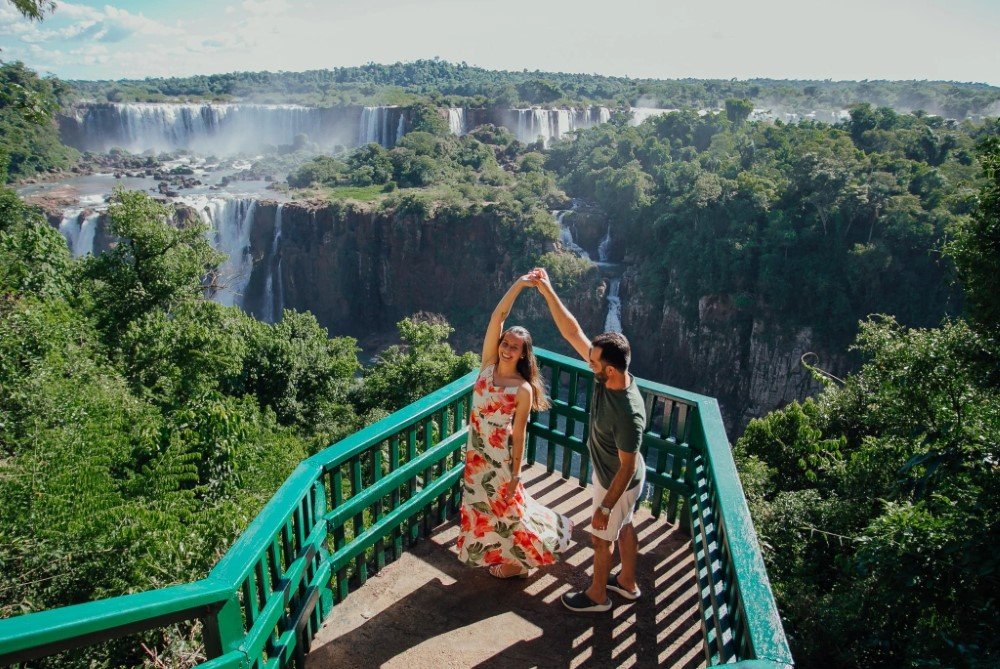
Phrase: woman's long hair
(527,367)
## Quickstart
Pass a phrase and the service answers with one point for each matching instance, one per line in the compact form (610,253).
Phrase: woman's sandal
(496,571)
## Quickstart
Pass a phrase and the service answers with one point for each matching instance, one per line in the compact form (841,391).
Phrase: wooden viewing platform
(429,610)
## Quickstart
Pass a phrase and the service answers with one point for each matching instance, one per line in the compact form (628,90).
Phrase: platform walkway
(428,610)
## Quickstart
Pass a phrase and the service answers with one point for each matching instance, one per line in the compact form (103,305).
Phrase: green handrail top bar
(67,622)
(236,564)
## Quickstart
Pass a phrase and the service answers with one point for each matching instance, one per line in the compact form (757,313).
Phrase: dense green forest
(463,85)
(806,225)
(29,138)
(878,502)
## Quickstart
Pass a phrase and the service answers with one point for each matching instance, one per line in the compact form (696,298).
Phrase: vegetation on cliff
(29,138)
(458,84)
(878,503)
(805,225)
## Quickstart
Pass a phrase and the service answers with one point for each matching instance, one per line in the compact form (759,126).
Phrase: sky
(953,40)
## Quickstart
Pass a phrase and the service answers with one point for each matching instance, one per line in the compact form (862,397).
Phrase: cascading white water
(207,128)
(613,322)
(549,124)
(70,227)
(274,296)
(85,242)
(230,221)
(456,120)
(604,248)
(566,236)
(375,124)
(79,231)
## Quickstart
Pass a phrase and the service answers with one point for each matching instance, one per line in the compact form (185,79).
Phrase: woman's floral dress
(521,531)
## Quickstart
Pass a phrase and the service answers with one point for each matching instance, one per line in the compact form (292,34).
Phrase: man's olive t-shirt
(617,421)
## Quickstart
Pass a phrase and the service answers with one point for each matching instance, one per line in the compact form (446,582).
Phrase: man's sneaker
(631,595)
(581,603)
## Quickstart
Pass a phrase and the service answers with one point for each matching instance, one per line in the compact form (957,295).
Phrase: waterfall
(85,242)
(613,322)
(274,300)
(79,231)
(230,221)
(70,227)
(604,248)
(375,124)
(207,128)
(400,129)
(456,120)
(566,236)
(549,124)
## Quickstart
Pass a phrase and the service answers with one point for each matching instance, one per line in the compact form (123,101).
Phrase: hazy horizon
(852,40)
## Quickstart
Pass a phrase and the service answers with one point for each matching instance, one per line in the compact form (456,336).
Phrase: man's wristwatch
(605,511)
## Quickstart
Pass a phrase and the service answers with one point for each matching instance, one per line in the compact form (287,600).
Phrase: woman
(502,527)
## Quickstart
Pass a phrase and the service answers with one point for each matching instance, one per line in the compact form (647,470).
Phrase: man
(617,422)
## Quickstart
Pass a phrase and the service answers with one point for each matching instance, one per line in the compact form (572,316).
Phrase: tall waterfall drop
(613,322)
(456,120)
(274,287)
(230,221)
(566,236)
(79,231)
(604,248)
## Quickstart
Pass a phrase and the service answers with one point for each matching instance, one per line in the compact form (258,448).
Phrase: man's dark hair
(615,350)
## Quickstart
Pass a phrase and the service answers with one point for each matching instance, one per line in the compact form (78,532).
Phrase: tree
(975,245)
(421,364)
(34,9)
(155,265)
(737,111)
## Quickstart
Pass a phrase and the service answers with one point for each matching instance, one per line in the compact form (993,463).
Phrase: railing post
(223,629)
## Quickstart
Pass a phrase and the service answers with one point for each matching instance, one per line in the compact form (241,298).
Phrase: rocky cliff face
(360,271)
(751,366)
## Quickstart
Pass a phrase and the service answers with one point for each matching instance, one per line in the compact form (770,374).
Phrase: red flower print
(474,463)
(524,539)
(460,542)
(480,386)
(494,556)
(474,420)
(507,403)
(482,524)
(466,520)
(498,438)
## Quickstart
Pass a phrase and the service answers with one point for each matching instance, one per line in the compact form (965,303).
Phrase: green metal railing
(347,511)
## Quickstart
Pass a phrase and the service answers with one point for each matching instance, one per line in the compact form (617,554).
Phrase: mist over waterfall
(205,128)
(225,129)
(274,286)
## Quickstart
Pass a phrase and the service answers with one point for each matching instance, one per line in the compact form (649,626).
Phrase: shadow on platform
(429,610)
